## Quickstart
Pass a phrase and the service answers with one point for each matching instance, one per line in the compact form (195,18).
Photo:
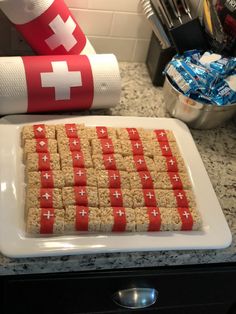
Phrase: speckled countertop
(218,151)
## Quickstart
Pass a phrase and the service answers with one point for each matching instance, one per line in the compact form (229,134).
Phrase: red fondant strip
(146,179)
(116,198)
(47,218)
(80,176)
(181,198)
(186,218)
(39,131)
(47,179)
(101,132)
(78,159)
(149,198)
(41,145)
(109,162)
(119,219)
(82,218)
(74,144)
(137,147)
(133,134)
(44,161)
(114,178)
(175,180)
(171,164)
(81,196)
(107,146)
(140,163)
(71,130)
(161,135)
(165,149)
(154,216)
(46,198)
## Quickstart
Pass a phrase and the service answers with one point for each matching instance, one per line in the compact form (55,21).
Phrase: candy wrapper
(205,77)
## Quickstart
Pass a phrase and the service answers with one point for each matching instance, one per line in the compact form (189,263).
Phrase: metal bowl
(195,114)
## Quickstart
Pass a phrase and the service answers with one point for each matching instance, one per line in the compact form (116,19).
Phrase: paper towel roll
(48,26)
(58,83)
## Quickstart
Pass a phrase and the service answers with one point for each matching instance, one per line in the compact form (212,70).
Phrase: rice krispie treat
(39,145)
(163,135)
(134,134)
(139,163)
(106,146)
(45,221)
(43,198)
(163,198)
(66,144)
(38,131)
(165,149)
(99,132)
(80,195)
(45,179)
(113,179)
(82,218)
(42,161)
(80,159)
(169,164)
(167,219)
(138,147)
(80,176)
(108,162)
(159,180)
(115,197)
(117,219)
(70,130)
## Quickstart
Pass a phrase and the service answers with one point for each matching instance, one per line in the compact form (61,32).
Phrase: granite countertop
(218,151)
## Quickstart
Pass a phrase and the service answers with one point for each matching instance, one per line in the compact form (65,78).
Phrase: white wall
(113,26)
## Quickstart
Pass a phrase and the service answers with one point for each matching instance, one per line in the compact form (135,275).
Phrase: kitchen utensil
(186,8)
(156,24)
(197,115)
(175,9)
(164,11)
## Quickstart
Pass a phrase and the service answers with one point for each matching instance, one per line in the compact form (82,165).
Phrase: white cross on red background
(171,161)
(83,213)
(102,131)
(116,194)
(42,143)
(75,142)
(114,176)
(61,79)
(63,33)
(137,145)
(109,159)
(79,173)
(180,195)
(175,177)
(162,134)
(71,130)
(82,192)
(150,195)
(46,176)
(39,129)
(46,195)
(120,213)
(133,131)
(107,145)
(77,156)
(146,177)
(154,212)
(44,158)
(166,148)
(48,215)
(140,161)
(186,214)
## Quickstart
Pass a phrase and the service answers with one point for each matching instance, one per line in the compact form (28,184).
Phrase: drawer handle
(135,298)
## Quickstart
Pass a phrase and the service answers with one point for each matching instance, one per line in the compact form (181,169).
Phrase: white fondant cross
(116,194)
(46,195)
(154,212)
(110,159)
(82,192)
(77,156)
(114,176)
(44,158)
(102,131)
(75,142)
(42,143)
(175,177)
(162,134)
(79,173)
(186,214)
(83,213)
(120,213)
(63,33)
(150,195)
(137,145)
(71,129)
(108,145)
(133,131)
(140,161)
(61,79)
(39,129)
(146,177)
(166,148)
(180,195)
(46,176)
(171,161)
(48,215)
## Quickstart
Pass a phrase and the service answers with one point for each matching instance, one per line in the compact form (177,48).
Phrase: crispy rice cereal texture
(51,179)
(112,145)
(112,178)
(31,146)
(33,224)
(98,132)
(113,162)
(79,144)
(169,149)
(28,132)
(163,136)
(34,198)
(72,221)
(84,196)
(108,221)
(137,147)
(67,159)
(133,134)
(32,162)
(73,130)
(161,164)
(105,199)
(80,176)
(131,166)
